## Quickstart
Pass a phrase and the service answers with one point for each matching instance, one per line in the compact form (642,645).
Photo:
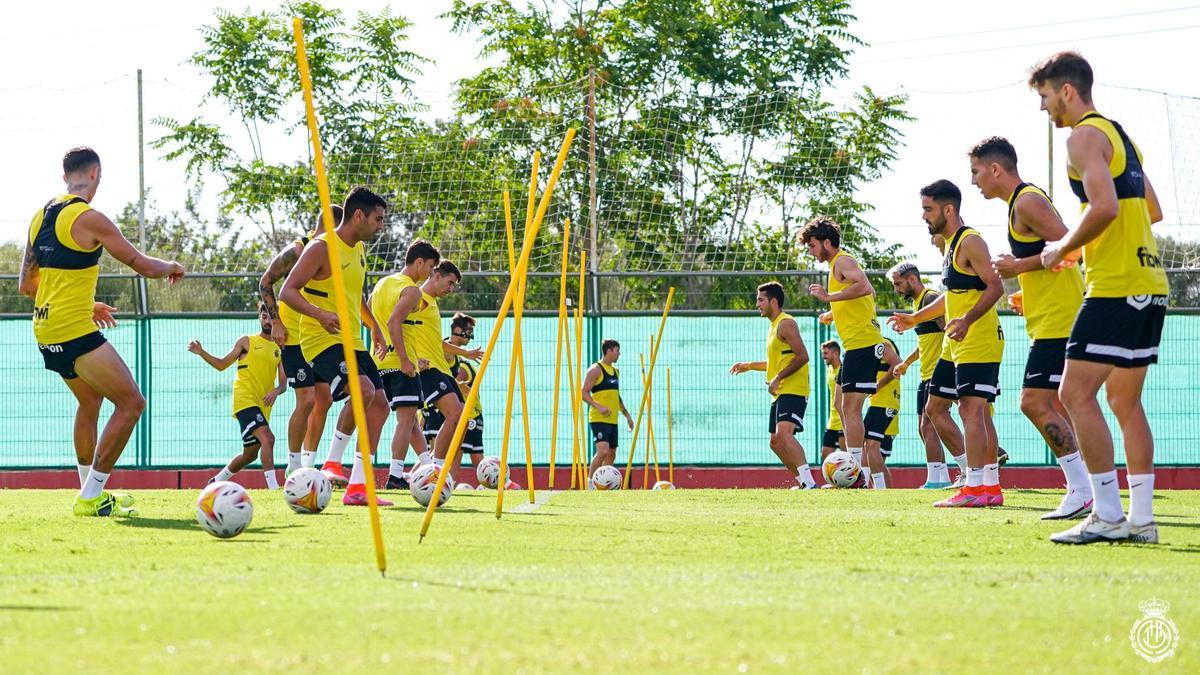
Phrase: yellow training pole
(650,422)
(473,397)
(649,418)
(344,316)
(574,391)
(670,434)
(584,460)
(642,407)
(512,364)
(562,319)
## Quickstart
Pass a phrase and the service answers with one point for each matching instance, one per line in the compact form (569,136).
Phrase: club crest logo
(1154,636)
(342,367)
(301,375)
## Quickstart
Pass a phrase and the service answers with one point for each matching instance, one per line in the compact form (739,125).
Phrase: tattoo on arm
(279,267)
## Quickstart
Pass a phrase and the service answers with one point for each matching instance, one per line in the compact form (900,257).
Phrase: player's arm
(240,347)
(405,304)
(312,261)
(454,350)
(789,333)
(976,252)
(368,318)
(1040,217)
(902,321)
(1152,203)
(747,366)
(898,370)
(891,358)
(848,272)
(27,282)
(277,269)
(1085,151)
(589,379)
(98,227)
(269,399)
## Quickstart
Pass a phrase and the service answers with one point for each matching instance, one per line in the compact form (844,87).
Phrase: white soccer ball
(841,469)
(488,473)
(224,509)
(422,482)
(664,485)
(307,491)
(607,477)
(463,487)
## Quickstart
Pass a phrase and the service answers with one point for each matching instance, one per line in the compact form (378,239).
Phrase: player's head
(319,222)
(940,202)
(81,171)
(363,211)
(443,280)
(906,279)
(264,319)
(1063,82)
(769,300)
(610,350)
(831,352)
(462,329)
(994,167)
(823,238)
(420,259)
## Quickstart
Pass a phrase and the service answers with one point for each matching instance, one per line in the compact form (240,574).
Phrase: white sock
(338,446)
(308,458)
(974,477)
(991,474)
(425,457)
(804,476)
(933,471)
(1141,498)
(272,479)
(857,454)
(944,474)
(224,474)
(961,461)
(397,469)
(438,462)
(83,470)
(1107,496)
(94,485)
(293,461)
(356,474)
(1076,473)
(879,481)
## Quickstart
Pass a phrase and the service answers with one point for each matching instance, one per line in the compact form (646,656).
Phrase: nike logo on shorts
(1030,376)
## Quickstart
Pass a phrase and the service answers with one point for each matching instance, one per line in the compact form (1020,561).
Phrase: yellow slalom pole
(583,435)
(649,418)
(506,304)
(512,364)
(344,316)
(642,407)
(574,391)
(670,434)
(562,319)
(650,422)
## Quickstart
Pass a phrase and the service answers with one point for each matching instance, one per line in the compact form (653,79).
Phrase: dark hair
(832,344)
(262,306)
(362,199)
(773,291)
(995,149)
(421,250)
(446,267)
(1064,68)
(337,217)
(943,192)
(460,321)
(608,344)
(77,159)
(821,228)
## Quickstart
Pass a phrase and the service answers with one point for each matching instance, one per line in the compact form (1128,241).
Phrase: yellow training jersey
(854,319)
(606,391)
(384,297)
(888,395)
(835,420)
(1051,299)
(423,334)
(289,316)
(929,336)
(466,366)
(257,372)
(1124,259)
(985,339)
(320,292)
(779,354)
(66,294)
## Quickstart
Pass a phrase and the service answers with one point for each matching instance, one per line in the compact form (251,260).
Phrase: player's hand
(629,420)
(604,411)
(475,355)
(1017,302)
(269,399)
(279,334)
(1056,258)
(175,271)
(407,366)
(901,322)
(194,347)
(825,318)
(773,385)
(739,368)
(899,370)
(380,349)
(956,329)
(1005,265)
(818,292)
(329,321)
(422,364)
(102,315)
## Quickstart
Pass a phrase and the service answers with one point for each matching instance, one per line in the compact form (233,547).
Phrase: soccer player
(309,289)
(787,382)
(975,339)
(402,387)
(60,268)
(883,414)
(833,438)
(259,362)
(307,422)
(851,298)
(1050,302)
(601,391)
(906,280)
(462,331)
(1116,335)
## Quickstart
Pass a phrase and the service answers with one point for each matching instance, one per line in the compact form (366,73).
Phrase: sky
(962,67)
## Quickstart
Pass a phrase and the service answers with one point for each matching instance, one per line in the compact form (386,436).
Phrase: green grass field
(698,581)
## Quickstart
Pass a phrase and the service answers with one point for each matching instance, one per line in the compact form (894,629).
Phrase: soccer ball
(488,473)
(607,477)
(664,485)
(841,469)
(462,487)
(422,482)
(224,509)
(307,491)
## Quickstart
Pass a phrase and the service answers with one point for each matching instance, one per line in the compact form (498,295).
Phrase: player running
(851,298)
(833,438)
(601,392)
(787,382)
(309,289)
(259,364)
(1116,335)
(60,268)
(1049,300)
(882,422)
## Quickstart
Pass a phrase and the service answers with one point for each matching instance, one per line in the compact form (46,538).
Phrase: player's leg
(1124,390)
(874,463)
(451,407)
(937,476)
(973,411)
(103,370)
(852,423)
(885,451)
(605,455)
(829,443)
(266,455)
(87,417)
(376,412)
(1045,411)
(296,426)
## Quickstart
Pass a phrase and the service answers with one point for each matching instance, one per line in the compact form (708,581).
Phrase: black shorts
(860,368)
(61,357)
(401,390)
(788,408)
(877,421)
(604,432)
(472,443)
(298,371)
(943,383)
(923,395)
(434,419)
(1123,332)
(435,384)
(885,446)
(248,420)
(1044,368)
(830,438)
(978,379)
(329,366)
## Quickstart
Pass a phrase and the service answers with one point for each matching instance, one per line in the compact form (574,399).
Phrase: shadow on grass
(191,524)
(496,590)
(37,608)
